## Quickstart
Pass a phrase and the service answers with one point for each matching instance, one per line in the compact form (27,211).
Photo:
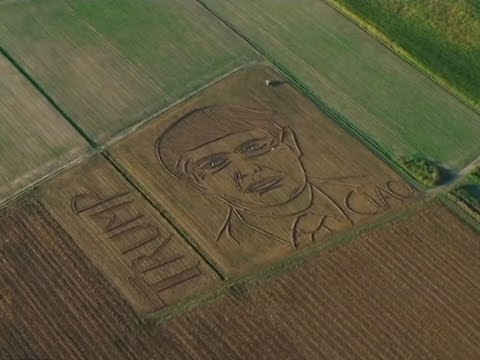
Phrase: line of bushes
(475,176)
(425,171)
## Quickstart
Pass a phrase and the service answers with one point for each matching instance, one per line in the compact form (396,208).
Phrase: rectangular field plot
(34,138)
(110,64)
(375,90)
(126,238)
(253,172)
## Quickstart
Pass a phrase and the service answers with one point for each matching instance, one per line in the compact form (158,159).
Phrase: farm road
(455,179)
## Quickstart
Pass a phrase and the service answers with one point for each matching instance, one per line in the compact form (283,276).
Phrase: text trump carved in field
(125,237)
(107,213)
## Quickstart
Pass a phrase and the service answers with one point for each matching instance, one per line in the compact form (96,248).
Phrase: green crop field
(34,138)
(384,97)
(442,35)
(111,64)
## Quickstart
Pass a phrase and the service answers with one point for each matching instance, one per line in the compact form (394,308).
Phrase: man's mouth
(264,185)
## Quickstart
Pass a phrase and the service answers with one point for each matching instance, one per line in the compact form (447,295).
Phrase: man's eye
(214,163)
(253,147)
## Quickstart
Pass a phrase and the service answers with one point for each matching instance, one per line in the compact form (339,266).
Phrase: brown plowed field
(54,303)
(407,290)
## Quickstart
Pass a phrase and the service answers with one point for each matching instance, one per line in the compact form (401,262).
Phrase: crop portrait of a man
(250,160)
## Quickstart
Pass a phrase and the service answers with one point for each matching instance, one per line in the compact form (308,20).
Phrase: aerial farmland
(108,74)
(207,179)
(35,139)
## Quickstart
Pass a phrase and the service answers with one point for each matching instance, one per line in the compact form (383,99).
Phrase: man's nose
(245,172)
(245,169)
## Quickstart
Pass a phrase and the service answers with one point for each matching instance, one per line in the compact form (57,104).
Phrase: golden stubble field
(253,173)
(125,237)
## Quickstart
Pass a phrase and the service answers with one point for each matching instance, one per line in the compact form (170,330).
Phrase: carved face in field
(244,157)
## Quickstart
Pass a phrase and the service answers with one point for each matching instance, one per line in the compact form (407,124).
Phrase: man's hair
(205,125)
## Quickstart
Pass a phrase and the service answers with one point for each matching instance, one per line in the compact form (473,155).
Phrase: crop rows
(403,290)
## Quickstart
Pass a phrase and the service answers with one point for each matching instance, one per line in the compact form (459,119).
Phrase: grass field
(34,138)
(108,69)
(443,36)
(316,167)
(404,290)
(380,94)
(147,261)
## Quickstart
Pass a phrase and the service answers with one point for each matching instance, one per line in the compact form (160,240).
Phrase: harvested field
(389,101)
(253,173)
(35,140)
(406,290)
(125,237)
(107,69)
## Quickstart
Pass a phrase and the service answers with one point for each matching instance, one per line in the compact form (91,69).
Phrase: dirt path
(455,179)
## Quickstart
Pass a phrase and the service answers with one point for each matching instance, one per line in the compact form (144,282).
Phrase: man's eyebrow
(246,143)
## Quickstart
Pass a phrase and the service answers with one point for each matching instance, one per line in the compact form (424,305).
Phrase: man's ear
(288,138)
(184,174)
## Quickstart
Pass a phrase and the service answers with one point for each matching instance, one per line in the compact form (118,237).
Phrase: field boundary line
(414,61)
(93,146)
(163,213)
(125,133)
(20,193)
(261,274)
(49,99)
(333,114)
(457,211)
